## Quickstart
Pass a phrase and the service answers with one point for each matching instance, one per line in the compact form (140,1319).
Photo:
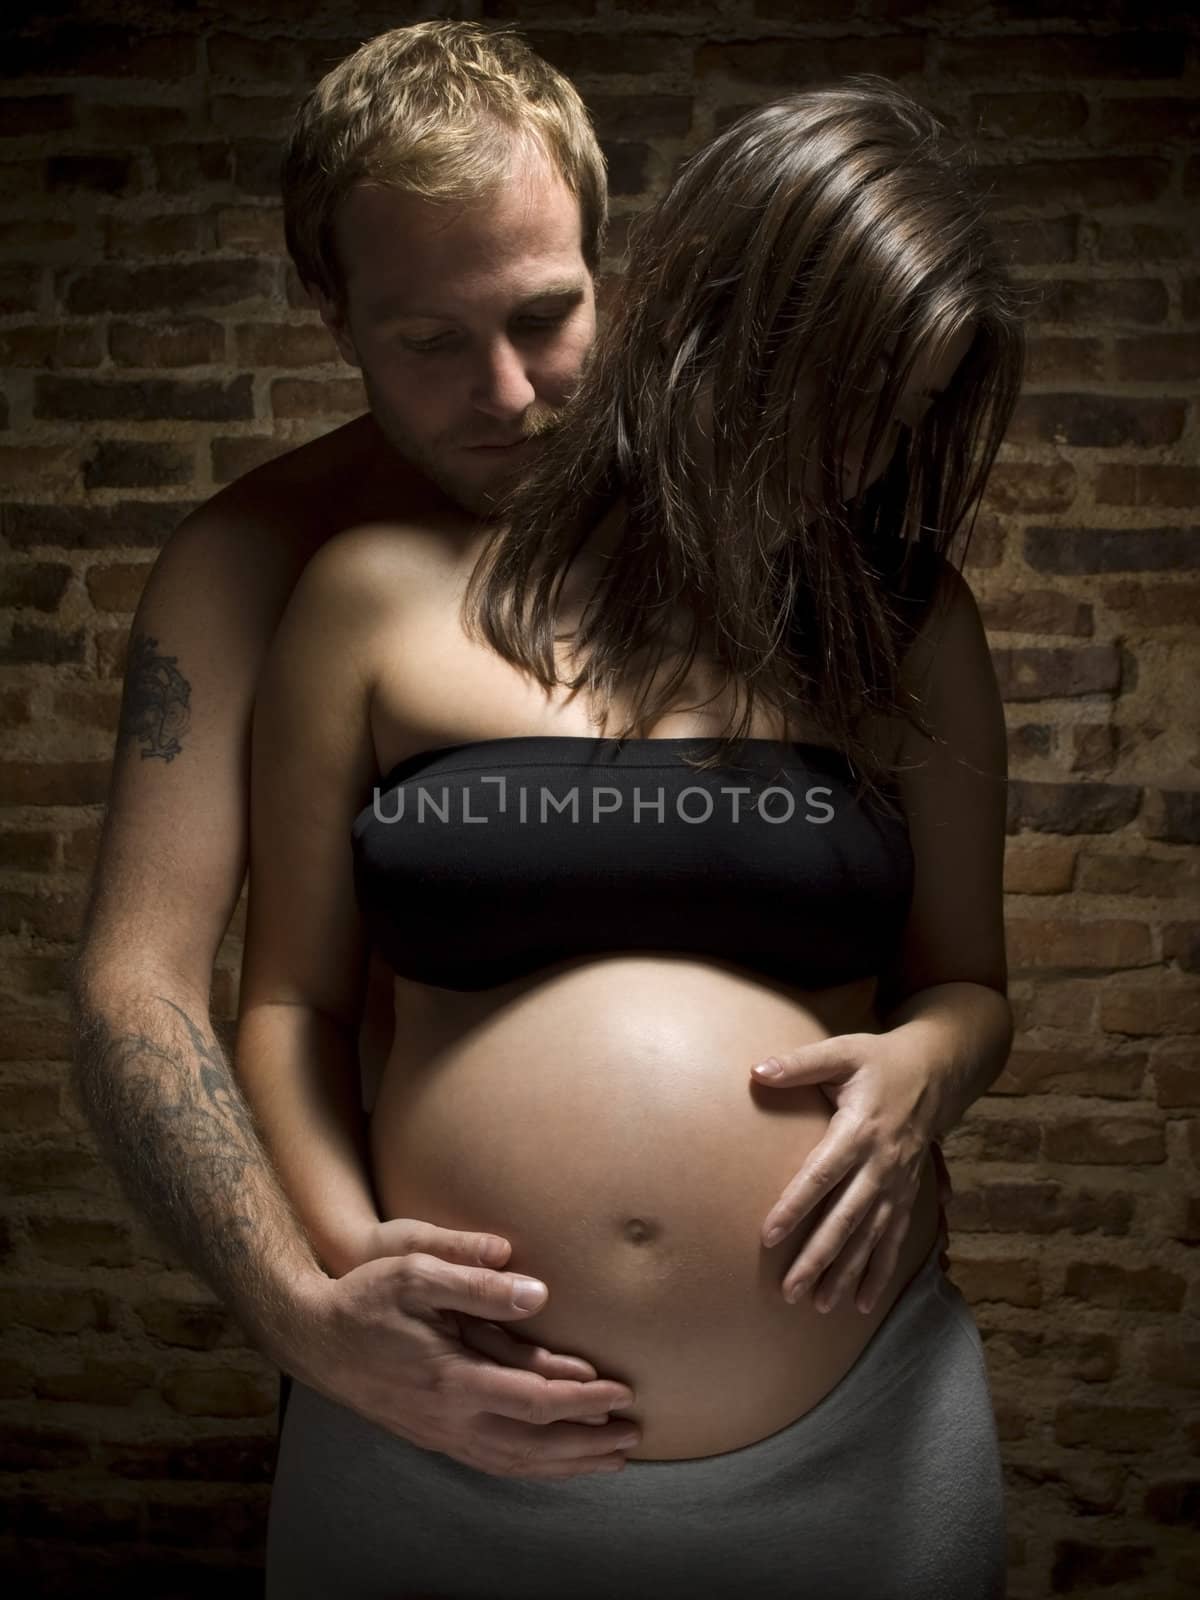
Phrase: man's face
(470,322)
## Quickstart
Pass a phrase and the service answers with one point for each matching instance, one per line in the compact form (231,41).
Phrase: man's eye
(552,321)
(423,346)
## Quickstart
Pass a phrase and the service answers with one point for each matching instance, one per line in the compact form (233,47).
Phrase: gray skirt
(890,1488)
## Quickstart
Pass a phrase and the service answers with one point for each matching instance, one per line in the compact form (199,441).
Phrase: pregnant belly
(604,1121)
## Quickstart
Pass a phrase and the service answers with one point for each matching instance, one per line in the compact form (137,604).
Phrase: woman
(599,918)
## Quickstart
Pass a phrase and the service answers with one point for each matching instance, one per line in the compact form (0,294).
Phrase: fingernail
(769,1068)
(773,1235)
(528,1292)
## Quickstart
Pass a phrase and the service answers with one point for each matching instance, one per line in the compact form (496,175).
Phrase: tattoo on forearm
(155,707)
(182,1140)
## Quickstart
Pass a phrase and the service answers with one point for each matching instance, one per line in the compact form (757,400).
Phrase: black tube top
(478,863)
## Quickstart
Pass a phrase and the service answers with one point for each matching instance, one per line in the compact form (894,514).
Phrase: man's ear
(333,315)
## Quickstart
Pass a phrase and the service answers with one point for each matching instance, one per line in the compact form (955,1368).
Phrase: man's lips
(504,444)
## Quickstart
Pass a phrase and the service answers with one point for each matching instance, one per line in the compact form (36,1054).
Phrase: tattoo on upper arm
(156,705)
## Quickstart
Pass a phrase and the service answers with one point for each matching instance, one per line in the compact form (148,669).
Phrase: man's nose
(502,387)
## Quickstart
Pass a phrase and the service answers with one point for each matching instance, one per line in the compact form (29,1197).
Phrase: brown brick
(641,116)
(1173,1359)
(627,164)
(1038,869)
(156,236)
(27,115)
(1030,741)
(1145,1011)
(1009,1281)
(65,1310)
(28,851)
(1039,1207)
(231,457)
(1159,358)
(234,1458)
(36,584)
(167,344)
(90,399)
(1066,58)
(137,463)
(1027,116)
(1035,241)
(1039,943)
(1097,420)
(1181,944)
(116,585)
(1149,119)
(281,344)
(95,174)
(1146,484)
(32,644)
(331,397)
(1173,1502)
(220,1392)
(189,1324)
(107,289)
(1098,1073)
(50,345)
(184,168)
(81,1242)
(796,62)
(41,238)
(1189,291)
(1052,1002)
(1106,1141)
(251,228)
(1143,242)
(261,115)
(20,287)
(1177,1080)
(1056,359)
(1103,300)
(256,167)
(1086,183)
(1071,807)
(590,55)
(23,181)
(1154,605)
(136,126)
(1120,1288)
(1079,550)
(234,56)
(1137,875)
(1137,1429)
(77,48)
(1030,486)
(1179,821)
(58,1168)
(39,468)
(136,523)
(31,1107)
(1037,674)
(1037,611)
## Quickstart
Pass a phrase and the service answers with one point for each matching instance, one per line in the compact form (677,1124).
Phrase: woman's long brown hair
(784,286)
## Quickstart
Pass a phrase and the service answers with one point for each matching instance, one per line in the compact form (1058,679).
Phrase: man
(450,112)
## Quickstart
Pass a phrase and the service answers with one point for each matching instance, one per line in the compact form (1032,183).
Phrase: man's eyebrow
(566,290)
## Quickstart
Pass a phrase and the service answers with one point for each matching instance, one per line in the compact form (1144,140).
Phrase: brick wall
(156,345)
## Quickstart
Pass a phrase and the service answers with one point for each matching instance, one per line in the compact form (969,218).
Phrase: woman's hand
(875,1148)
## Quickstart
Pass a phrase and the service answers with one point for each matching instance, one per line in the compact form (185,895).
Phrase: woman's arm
(948,990)
(304,966)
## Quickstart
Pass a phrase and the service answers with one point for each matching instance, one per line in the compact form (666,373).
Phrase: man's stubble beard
(483,500)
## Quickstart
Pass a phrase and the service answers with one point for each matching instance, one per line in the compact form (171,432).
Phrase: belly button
(639,1231)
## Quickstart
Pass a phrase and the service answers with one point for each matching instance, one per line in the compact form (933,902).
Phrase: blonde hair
(417,109)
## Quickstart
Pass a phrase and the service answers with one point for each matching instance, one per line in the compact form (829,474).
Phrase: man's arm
(149,1070)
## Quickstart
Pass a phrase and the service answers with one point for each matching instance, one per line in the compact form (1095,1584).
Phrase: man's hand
(409,1341)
